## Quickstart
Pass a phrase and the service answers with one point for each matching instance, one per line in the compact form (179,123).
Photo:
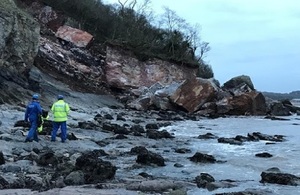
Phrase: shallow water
(241,163)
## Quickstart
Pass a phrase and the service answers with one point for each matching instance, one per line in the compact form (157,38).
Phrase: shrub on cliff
(174,41)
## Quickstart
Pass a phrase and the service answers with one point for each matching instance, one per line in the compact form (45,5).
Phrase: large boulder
(154,97)
(252,103)
(237,82)
(74,36)
(189,95)
(193,93)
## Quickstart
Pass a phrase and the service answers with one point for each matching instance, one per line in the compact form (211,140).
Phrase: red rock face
(77,37)
(123,70)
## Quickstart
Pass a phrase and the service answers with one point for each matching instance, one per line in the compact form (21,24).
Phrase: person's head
(35,97)
(60,97)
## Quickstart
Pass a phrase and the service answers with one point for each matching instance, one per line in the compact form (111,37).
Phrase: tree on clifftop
(132,25)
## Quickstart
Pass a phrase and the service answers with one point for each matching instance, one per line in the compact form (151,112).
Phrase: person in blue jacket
(33,110)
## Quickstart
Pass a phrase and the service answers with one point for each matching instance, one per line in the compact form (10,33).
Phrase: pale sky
(258,38)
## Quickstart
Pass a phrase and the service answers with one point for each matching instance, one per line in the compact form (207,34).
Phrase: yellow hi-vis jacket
(60,110)
(40,128)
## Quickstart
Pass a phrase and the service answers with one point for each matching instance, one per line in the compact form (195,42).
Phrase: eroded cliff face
(124,71)
(19,42)
(84,69)
(76,67)
(79,68)
(19,37)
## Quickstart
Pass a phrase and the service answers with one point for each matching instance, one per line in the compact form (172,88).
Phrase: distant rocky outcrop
(282,108)
(283,104)
(282,96)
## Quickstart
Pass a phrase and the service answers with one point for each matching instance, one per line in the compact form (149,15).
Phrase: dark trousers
(32,134)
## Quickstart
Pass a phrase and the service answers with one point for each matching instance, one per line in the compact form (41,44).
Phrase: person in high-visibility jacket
(60,111)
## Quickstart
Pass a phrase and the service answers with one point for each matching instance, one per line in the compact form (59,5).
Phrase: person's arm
(67,108)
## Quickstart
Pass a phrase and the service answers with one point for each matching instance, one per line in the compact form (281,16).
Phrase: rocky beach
(133,152)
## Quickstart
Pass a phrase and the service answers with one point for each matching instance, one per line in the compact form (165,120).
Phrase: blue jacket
(33,110)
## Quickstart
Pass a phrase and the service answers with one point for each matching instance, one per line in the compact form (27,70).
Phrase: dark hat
(60,97)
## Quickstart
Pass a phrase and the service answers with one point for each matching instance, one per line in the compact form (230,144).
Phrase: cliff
(18,47)
(48,57)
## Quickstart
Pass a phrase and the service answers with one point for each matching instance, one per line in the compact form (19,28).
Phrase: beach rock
(182,150)
(202,158)
(207,136)
(264,155)
(248,192)
(232,141)
(2,159)
(148,158)
(3,183)
(260,136)
(279,178)
(203,179)
(158,186)
(154,134)
(47,158)
(75,178)
(95,169)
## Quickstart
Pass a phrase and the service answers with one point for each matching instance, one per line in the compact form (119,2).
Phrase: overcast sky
(258,38)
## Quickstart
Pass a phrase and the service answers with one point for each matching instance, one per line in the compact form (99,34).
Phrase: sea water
(241,163)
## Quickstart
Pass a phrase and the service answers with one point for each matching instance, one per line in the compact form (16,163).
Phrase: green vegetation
(174,40)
